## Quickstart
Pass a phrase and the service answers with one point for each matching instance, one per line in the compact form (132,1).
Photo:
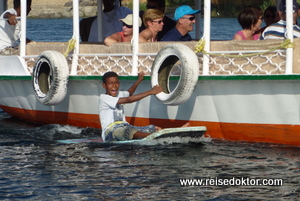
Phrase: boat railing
(225,57)
(218,57)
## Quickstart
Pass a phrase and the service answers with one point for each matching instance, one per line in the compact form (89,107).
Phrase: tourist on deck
(153,20)
(278,30)
(168,22)
(10,28)
(110,19)
(250,19)
(126,34)
(185,20)
(270,17)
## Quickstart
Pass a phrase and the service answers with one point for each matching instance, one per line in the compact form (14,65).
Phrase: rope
(71,46)
(199,48)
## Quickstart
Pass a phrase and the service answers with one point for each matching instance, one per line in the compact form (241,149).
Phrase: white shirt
(9,34)
(278,31)
(111,23)
(110,111)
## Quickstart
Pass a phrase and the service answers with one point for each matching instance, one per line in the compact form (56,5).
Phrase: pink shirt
(122,36)
(255,37)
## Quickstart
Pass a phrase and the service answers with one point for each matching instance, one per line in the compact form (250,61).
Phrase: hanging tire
(162,66)
(50,77)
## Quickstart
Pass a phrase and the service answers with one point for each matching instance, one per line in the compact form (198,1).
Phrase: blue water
(34,167)
(51,30)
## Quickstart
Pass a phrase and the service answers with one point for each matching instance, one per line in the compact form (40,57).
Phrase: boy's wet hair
(108,75)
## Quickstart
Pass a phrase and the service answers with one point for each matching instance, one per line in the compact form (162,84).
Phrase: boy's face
(112,85)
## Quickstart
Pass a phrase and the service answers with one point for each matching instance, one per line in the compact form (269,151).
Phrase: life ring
(50,77)
(162,66)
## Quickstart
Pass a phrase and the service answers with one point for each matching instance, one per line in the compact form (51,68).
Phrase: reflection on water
(34,167)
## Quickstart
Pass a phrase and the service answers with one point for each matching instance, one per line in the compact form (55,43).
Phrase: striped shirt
(278,31)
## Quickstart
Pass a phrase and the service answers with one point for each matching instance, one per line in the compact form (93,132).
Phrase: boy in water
(113,122)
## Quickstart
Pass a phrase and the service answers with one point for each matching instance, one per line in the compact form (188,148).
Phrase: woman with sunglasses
(168,22)
(153,20)
(125,35)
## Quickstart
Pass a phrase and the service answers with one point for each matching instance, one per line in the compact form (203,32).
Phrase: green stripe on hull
(10,77)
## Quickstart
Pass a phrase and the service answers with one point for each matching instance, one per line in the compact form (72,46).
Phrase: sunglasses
(189,18)
(158,21)
(151,6)
(128,26)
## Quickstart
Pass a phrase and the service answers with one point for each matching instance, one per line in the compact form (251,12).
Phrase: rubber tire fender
(162,66)
(50,77)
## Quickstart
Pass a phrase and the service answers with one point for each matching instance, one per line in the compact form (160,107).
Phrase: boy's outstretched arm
(132,89)
(155,90)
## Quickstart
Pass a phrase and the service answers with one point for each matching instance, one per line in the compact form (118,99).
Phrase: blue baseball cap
(184,10)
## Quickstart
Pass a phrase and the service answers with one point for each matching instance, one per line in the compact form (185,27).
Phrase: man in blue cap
(278,30)
(185,20)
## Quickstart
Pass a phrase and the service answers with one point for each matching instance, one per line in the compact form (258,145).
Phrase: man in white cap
(185,20)
(112,12)
(126,34)
(278,30)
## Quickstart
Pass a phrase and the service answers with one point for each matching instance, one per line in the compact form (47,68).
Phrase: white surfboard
(172,135)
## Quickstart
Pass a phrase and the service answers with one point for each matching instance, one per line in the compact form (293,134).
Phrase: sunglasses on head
(126,25)
(189,18)
(151,6)
(158,21)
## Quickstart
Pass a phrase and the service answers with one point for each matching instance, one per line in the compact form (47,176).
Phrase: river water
(35,167)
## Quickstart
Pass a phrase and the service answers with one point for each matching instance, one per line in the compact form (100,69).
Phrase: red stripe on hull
(270,133)
(53,117)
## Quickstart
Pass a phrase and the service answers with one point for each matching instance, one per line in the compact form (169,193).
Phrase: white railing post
(23,28)
(289,35)
(206,35)
(76,37)
(135,38)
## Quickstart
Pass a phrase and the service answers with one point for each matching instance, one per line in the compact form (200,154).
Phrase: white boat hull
(264,110)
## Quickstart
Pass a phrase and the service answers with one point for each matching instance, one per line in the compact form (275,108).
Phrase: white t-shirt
(111,23)
(278,31)
(9,34)
(110,111)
